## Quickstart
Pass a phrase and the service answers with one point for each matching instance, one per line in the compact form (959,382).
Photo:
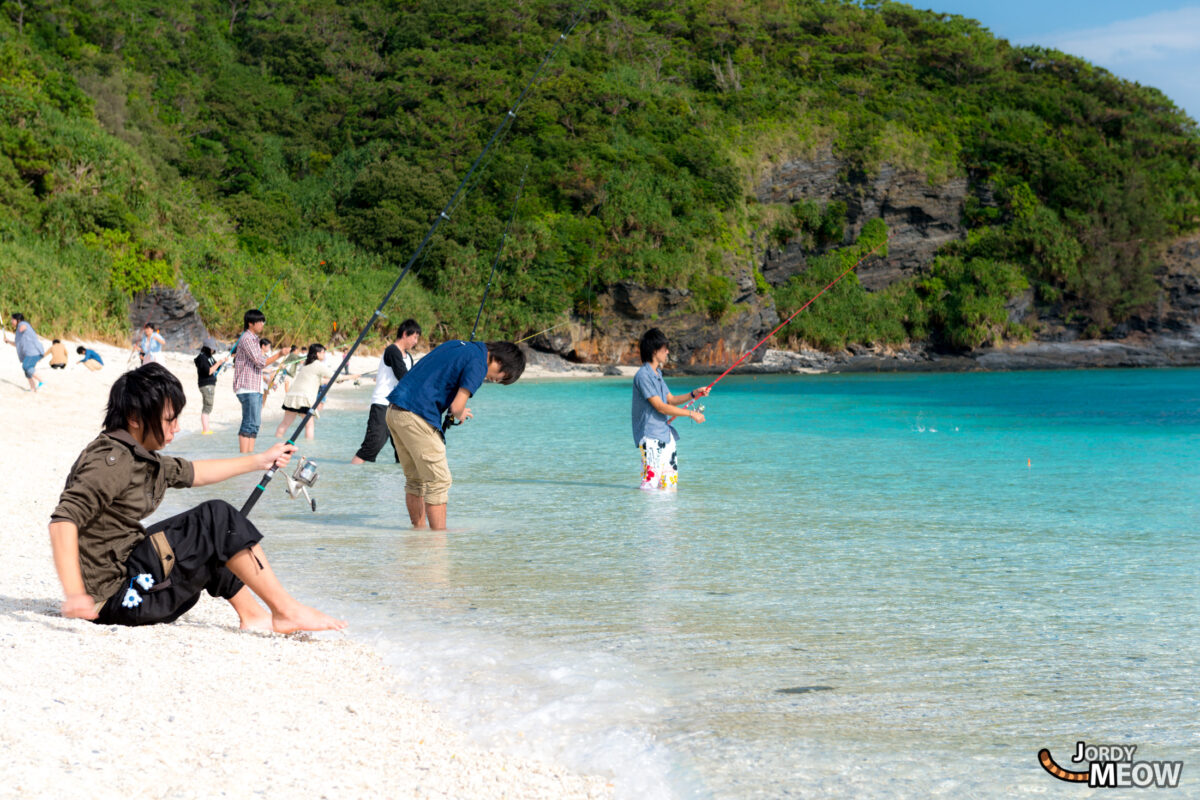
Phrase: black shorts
(202,539)
(377,435)
(58,366)
(303,410)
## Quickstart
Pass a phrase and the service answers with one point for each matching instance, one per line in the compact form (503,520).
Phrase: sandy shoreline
(198,708)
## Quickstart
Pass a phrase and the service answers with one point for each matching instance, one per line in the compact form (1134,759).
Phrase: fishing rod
(284,363)
(448,419)
(233,347)
(499,252)
(306,471)
(828,286)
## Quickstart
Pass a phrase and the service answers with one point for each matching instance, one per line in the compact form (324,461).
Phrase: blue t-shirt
(91,355)
(429,387)
(648,423)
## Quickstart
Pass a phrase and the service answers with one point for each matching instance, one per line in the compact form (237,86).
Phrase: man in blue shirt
(653,408)
(91,359)
(442,381)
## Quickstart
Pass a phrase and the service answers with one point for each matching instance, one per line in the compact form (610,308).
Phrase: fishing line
(828,286)
(441,217)
(539,333)
(233,347)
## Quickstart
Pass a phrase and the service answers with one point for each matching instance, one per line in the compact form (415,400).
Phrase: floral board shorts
(660,470)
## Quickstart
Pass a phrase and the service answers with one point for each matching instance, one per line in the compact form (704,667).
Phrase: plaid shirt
(248,363)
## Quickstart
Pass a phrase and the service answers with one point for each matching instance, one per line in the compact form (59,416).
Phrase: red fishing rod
(828,286)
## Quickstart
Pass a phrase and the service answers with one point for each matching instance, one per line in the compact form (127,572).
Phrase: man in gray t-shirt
(652,410)
(29,349)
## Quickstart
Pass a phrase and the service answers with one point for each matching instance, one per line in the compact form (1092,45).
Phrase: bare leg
(416,509)
(288,416)
(245,444)
(251,615)
(310,428)
(357,460)
(204,423)
(437,516)
(287,615)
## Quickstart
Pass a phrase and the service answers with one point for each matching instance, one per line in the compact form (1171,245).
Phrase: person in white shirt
(395,362)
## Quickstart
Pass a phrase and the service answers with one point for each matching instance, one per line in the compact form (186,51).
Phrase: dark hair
(151,326)
(509,357)
(651,342)
(143,395)
(407,327)
(251,317)
(314,350)
(18,316)
(264,342)
(206,351)
(81,350)
(56,341)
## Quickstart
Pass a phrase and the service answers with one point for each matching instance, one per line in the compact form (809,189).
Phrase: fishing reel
(448,422)
(300,481)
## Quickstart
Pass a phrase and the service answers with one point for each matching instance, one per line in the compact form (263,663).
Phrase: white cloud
(1154,37)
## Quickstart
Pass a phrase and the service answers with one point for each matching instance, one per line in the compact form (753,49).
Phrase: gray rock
(175,312)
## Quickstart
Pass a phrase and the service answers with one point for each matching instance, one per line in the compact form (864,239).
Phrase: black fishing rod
(499,252)
(510,115)
(448,419)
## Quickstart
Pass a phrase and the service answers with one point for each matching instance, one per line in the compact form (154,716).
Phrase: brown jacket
(115,484)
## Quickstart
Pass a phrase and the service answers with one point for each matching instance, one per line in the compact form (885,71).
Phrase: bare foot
(260,621)
(303,618)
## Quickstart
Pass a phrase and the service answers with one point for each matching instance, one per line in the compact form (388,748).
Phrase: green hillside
(228,144)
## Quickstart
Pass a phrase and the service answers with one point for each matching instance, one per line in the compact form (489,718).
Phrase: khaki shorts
(422,454)
(206,395)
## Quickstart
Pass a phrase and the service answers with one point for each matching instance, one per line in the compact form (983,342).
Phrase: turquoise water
(868,586)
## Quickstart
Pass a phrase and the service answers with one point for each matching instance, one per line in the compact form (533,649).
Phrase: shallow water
(869,586)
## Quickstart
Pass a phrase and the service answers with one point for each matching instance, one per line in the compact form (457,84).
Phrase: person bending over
(91,359)
(441,382)
(395,362)
(114,571)
(653,409)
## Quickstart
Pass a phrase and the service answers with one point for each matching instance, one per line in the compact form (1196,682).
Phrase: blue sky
(1153,42)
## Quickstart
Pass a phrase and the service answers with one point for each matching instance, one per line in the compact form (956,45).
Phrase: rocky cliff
(922,218)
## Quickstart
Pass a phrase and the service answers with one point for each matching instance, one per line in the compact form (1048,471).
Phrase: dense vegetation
(228,144)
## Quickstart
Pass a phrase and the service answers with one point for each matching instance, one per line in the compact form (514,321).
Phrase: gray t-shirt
(648,423)
(27,341)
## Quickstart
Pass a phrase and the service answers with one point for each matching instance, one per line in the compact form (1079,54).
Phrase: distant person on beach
(248,362)
(432,395)
(114,571)
(29,349)
(58,355)
(653,409)
(207,365)
(151,344)
(304,390)
(91,359)
(395,362)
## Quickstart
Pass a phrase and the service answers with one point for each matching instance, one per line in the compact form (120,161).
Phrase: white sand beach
(197,709)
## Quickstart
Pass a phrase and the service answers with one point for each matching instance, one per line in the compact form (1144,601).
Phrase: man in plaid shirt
(248,364)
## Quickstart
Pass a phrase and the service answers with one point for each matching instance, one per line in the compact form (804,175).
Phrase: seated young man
(114,571)
(442,381)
